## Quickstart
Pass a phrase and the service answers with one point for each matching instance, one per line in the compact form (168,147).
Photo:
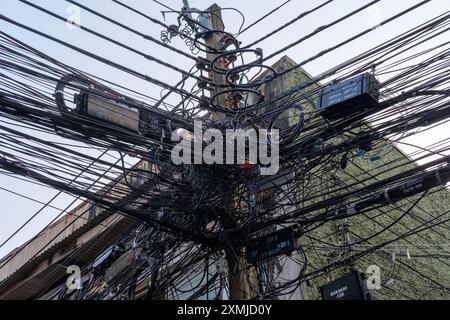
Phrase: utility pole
(238,269)
(243,277)
(213,41)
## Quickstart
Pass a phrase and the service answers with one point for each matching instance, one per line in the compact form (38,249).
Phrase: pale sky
(15,210)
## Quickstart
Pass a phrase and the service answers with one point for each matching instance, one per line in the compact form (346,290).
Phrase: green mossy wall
(418,276)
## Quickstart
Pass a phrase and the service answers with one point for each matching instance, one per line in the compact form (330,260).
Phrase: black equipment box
(350,97)
(349,287)
(269,246)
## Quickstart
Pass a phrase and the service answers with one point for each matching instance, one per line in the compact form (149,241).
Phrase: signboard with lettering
(349,97)
(269,246)
(349,287)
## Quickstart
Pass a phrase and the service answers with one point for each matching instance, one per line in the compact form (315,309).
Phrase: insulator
(203,83)
(202,64)
(173,30)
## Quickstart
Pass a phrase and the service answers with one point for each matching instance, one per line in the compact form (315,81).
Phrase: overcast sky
(14,210)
